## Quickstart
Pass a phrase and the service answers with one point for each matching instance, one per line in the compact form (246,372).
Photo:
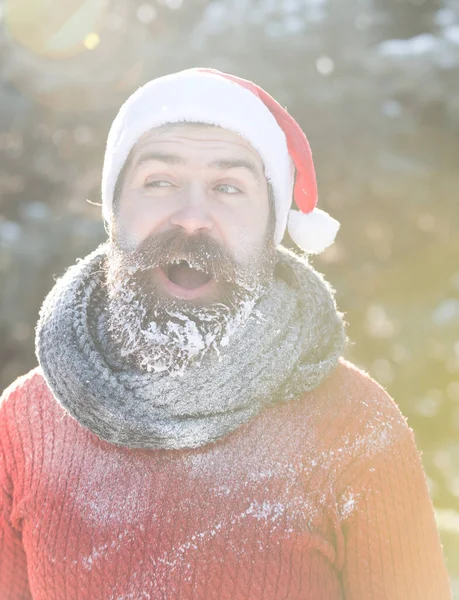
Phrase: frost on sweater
(323,498)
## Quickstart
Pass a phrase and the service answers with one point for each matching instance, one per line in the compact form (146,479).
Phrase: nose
(193,217)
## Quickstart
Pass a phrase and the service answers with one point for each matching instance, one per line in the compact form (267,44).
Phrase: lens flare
(55,29)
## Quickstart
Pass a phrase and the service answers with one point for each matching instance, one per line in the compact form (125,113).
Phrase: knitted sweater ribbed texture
(320,498)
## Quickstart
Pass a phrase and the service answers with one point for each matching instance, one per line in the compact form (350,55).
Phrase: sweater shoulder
(21,389)
(21,401)
(15,411)
(353,393)
(27,406)
(357,416)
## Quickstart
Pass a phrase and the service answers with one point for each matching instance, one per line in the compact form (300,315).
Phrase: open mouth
(185,276)
(183,280)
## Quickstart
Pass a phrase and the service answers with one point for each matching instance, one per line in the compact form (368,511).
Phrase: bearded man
(193,430)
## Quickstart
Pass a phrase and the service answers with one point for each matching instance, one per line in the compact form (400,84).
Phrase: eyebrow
(223,165)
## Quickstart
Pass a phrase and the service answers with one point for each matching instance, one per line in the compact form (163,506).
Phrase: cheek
(244,232)
(139,216)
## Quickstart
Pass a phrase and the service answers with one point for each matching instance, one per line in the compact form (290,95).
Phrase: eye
(226,188)
(158,183)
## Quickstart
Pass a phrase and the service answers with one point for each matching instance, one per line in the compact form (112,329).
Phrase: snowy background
(375,85)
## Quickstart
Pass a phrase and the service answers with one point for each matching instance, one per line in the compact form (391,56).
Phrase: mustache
(199,250)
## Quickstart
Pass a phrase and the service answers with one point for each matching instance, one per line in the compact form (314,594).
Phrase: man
(193,430)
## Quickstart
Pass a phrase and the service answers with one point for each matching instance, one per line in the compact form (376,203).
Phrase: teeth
(191,265)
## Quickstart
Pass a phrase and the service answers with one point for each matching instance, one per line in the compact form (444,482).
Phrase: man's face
(192,246)
(199,182)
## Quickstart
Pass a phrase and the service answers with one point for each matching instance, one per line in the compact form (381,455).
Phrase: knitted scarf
(288,346)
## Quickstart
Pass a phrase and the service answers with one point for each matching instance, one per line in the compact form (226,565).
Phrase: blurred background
(375,85)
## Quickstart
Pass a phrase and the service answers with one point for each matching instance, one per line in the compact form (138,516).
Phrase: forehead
(191,138)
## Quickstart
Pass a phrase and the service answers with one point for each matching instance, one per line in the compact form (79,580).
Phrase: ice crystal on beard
(174,344)
(158,333)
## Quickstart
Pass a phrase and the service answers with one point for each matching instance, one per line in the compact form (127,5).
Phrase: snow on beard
(157,332)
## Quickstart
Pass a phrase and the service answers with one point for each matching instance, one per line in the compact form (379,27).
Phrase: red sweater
(323,498)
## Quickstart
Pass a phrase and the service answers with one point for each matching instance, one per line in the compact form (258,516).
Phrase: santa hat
(210,96)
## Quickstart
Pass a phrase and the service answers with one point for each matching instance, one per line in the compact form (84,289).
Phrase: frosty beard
(157,332)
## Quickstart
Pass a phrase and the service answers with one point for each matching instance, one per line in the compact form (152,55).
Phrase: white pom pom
(314,231)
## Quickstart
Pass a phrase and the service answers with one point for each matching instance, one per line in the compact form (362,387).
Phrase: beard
(160,333)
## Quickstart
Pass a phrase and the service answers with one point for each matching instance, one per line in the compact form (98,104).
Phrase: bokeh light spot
(429,405)
(383,370)
(91,41)
(377,322)
(146,13)
(172,4)
(325,65)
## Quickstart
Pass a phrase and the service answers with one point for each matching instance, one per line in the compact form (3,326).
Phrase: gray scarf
(289,345)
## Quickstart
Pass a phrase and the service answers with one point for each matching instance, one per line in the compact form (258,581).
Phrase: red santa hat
(210,96)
